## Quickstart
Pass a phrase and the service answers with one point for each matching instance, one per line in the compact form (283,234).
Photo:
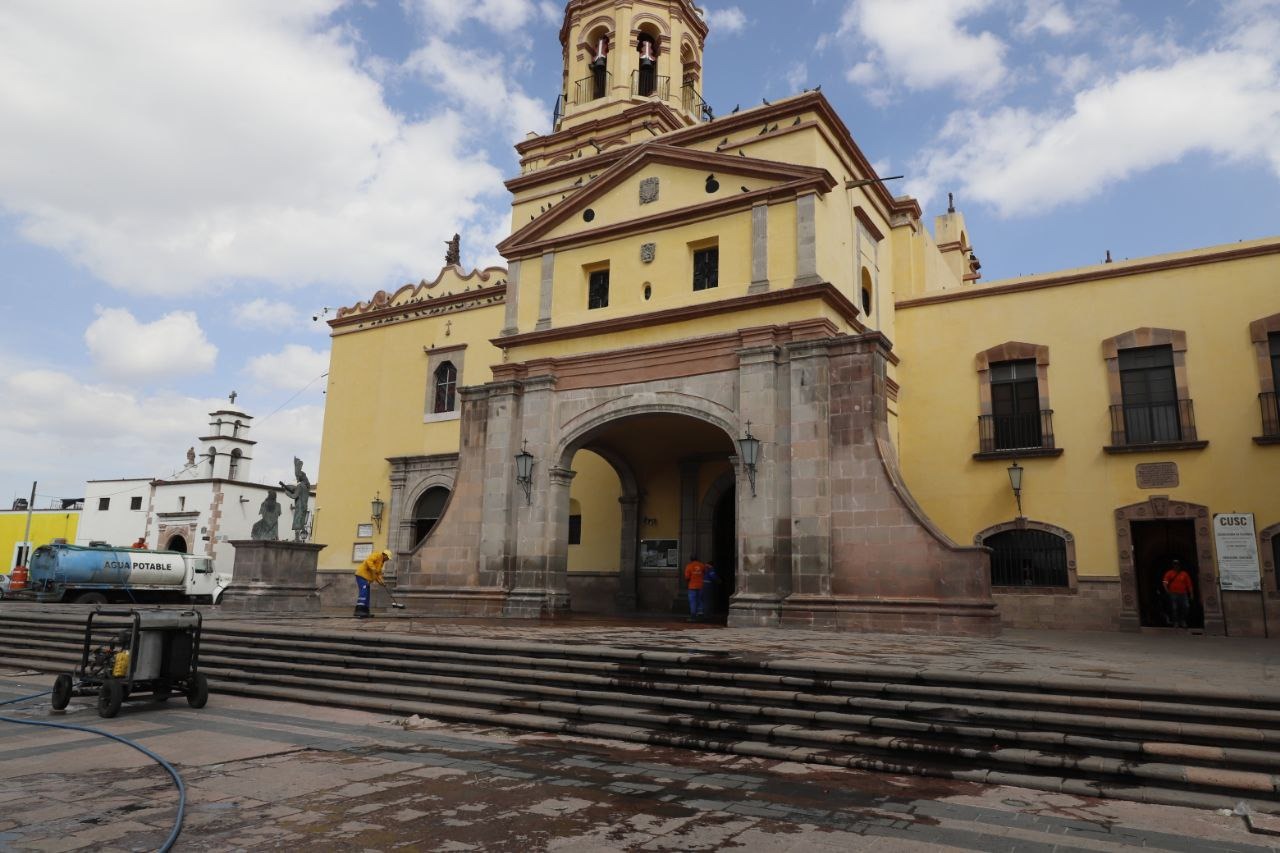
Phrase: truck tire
(110,696)
(198,692)
(91,598)
(61,692)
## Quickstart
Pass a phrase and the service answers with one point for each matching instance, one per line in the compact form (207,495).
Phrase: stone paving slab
(314,778)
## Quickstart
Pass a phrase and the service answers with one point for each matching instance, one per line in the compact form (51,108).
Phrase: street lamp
(749,450)
(1015,480)
(375,510)
(524,472)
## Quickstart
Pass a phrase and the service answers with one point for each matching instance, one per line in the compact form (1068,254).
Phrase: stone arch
(434,480)
(629,535)
(578,431)
(1160,508)
(653,23)
(980,537)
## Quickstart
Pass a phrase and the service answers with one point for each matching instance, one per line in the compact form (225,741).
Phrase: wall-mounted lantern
(375,510)
(1015,480)
(749,450)
(524,472)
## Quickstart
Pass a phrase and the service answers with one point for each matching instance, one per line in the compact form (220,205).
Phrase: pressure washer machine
(155,656)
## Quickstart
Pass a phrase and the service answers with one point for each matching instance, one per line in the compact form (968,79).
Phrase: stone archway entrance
(1149,535)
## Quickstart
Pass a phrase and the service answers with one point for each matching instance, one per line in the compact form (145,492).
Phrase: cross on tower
(448,328)
(232,398)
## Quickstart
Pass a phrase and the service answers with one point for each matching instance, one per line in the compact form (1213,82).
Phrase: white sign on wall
(1237,544)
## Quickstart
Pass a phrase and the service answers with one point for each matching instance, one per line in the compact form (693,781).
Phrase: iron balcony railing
(1033,430)
(592,88)
(648,84)
(1270,416)
(1152,423)
(692,102)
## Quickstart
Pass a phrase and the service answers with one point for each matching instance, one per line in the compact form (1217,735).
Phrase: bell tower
(619,54)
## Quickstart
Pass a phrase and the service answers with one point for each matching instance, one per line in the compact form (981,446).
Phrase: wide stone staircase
(1199,748)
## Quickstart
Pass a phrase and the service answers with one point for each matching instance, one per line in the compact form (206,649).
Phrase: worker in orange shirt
(1181,589)
(693,576)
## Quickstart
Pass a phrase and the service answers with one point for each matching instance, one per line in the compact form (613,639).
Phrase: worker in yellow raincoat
(370,571)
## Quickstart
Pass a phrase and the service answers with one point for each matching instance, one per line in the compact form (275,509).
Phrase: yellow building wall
(46,525)
(594,495)
(377,397)
(1079,490)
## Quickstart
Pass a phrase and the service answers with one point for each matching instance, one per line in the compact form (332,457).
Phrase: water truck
(100,574)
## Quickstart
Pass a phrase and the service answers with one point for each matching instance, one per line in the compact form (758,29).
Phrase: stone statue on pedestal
(453,254)
(301,495)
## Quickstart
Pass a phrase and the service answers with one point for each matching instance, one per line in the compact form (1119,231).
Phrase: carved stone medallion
(649,190)
(648,252)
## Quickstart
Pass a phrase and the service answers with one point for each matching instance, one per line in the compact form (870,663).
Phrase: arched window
(446,391)
(868,292)
(213,460)
(178,544)
(647,75)
(235,429)
(234,468)
(1028,557)
(426,512)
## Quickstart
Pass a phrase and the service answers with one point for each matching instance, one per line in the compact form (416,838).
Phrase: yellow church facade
(722,337)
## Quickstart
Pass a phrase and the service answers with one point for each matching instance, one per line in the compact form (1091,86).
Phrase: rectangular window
(1274,340)
(135,503)
(1149,392)
(598,289)
(1015,405)
(575,530)
(706,268)
(104,504)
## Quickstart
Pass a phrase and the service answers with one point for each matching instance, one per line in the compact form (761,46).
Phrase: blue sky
(184,185)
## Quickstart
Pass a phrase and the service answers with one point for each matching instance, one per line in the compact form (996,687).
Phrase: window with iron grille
(104,504)
(598,289)
(575,530)
(446,397)
(1028,558)
(135,503)
(1015,405)
(706,268)
(1149,391)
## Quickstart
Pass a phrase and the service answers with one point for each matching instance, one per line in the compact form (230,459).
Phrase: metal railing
(1033,430)
(1270,415)
(691,102)
(592,88)
(1028,558)
(649,84)
(1152,423)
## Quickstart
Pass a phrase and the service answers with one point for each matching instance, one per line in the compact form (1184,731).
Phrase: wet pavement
(270,775)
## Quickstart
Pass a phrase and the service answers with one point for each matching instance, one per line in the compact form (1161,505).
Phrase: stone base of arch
(828,536)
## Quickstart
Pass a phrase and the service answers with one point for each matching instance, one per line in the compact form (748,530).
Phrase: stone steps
(1192,748)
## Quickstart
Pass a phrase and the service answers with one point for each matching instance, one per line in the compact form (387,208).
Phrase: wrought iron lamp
(375,510)
(524,472)
(749,450)
(1015,480)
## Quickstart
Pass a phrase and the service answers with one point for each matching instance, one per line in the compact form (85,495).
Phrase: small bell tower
(619,54)
(225,450)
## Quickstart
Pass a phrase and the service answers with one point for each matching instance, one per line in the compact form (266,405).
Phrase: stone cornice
(423,307)
(1111,271)
(412,294)
(824,291)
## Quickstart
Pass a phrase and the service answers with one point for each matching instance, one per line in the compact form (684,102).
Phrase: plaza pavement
(269,775)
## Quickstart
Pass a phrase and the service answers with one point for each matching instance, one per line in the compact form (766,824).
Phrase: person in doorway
(710,589)
(1180,589)
(694,574)
(370,571)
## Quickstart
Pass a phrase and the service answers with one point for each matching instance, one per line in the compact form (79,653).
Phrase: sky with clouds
(185,185)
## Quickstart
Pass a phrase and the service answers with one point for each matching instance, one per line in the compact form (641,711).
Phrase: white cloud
(923,45)
(472,79)
(290,369)
(266,314)
(63,431)
(730,20)
(796,76)
(167,147)
(502,15)
(1046,15)
(129,351)
(1225,102)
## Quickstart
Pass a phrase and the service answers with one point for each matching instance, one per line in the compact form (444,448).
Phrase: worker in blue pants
(370,571)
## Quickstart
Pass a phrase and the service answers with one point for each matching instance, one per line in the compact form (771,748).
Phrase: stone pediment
(657,182)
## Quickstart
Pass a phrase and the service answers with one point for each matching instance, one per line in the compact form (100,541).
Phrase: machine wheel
(91,598)
(61,692)
(198,693)
(109,698)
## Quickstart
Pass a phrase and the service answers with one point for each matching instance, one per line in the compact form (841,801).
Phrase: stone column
(501,495)
(547,292)
(759,249)
(531,591)
(807,240)
(398,517)
(511,322)
(627,596)
(764,519)
(810,412)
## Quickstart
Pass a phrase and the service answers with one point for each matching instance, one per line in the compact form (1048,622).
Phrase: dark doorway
(1156,544)
(427,511)
(177,543)
(724,553)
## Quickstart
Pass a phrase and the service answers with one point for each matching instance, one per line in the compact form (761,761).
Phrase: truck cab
(204,584)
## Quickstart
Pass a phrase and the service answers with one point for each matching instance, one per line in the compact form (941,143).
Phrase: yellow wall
(1080,489)
(594,495)
(46,525)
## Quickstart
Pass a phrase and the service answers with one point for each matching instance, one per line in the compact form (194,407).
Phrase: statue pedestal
(273,577)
